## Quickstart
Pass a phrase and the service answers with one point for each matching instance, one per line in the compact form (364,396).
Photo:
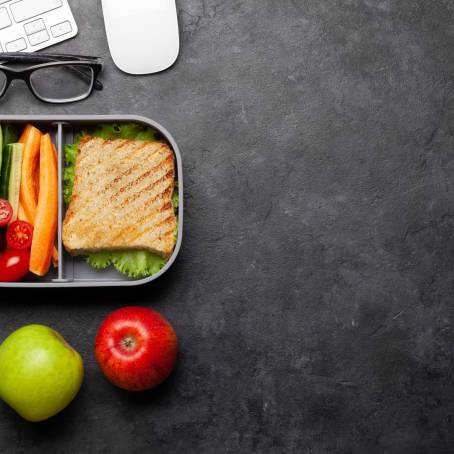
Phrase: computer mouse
(142,34)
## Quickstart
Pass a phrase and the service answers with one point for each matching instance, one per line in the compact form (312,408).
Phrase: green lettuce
(134,264)
(176,198)
(137,263)
(100,260)
(69,171)
(130,131)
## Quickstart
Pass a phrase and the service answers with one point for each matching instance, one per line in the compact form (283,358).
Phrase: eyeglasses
(52,78)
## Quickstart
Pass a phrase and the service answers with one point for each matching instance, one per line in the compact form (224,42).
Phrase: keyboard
(31,25)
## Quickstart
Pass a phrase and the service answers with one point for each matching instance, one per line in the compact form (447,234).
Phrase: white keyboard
(30,25)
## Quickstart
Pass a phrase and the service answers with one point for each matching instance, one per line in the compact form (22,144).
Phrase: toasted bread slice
(122,198)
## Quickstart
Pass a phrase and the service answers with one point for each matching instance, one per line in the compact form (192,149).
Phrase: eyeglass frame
(53,60)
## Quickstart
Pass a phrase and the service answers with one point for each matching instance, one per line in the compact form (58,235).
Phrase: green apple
(40,374)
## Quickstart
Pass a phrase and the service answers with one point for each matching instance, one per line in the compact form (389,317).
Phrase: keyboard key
(34,27)
(16,46)
(61,29)
(5,21)
(26,9)
(38,38)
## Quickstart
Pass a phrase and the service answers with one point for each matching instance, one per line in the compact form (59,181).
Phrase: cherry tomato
(14,265)
(19,235)
(6,212)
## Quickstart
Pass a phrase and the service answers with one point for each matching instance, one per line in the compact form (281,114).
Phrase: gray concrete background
(313,296)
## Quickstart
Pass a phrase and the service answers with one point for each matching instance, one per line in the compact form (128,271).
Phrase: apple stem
(129,341)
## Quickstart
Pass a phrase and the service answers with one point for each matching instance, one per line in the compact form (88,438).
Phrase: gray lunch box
(74,271)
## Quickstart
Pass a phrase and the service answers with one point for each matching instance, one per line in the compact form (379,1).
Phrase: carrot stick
(22,215)
(30,179)
(54,248)
(31,138)
(46,211)
(55,257)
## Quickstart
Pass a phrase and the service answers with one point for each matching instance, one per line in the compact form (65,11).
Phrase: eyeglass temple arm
(97,84)
(26,57)
(21,57)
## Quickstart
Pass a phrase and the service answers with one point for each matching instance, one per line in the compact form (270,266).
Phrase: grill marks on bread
(122,197)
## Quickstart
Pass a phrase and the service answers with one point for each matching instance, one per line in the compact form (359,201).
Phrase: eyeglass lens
(60,83)
(3,81)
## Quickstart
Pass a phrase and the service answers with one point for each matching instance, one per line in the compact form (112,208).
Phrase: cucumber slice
(4,176)
(10,135)
(17,150)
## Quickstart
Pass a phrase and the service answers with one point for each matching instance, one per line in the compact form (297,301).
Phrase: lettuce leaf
(134,264)
(137,263)
(70,171)
(130,131)
(100,260)
(175,198)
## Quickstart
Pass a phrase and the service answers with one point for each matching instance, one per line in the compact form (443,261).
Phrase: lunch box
(75,271)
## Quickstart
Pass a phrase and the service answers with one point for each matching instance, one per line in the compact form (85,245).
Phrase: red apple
(136,348)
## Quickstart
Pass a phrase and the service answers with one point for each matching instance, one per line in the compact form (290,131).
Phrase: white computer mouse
(142,34)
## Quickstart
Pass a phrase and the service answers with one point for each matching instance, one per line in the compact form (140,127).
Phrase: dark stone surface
(313,296)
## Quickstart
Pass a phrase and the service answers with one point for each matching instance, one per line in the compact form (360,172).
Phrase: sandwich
(121,198)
